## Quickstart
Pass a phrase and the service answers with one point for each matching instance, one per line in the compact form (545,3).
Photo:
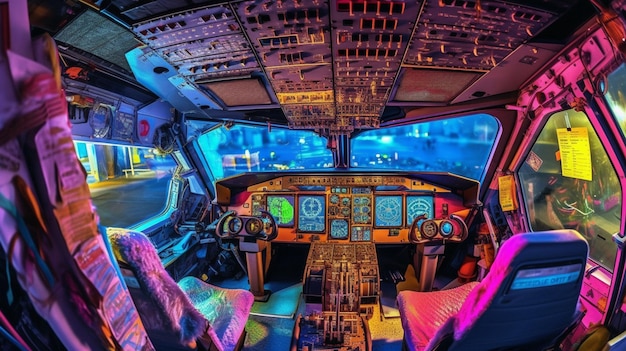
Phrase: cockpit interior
(304,175)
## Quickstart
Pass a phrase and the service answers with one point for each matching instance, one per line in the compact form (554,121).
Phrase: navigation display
(312,213)
(388,211)
(282,208)
(417,205)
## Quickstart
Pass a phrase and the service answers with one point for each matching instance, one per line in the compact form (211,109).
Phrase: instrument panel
(356,214)
(391,207)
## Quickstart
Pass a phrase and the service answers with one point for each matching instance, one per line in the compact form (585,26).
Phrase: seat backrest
(529,296)
(168,314)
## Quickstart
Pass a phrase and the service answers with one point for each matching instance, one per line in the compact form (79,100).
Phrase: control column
(257,261)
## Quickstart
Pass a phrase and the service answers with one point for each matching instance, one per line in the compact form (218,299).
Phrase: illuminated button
(446,229)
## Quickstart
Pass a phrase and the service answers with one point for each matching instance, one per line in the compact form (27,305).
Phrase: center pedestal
(341,289)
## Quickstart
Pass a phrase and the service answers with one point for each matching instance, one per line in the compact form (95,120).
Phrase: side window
(569,182)
(616,89)
(128,184)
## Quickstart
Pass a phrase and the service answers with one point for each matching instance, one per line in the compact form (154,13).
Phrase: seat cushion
(174,311)
(423,313)
(227,310)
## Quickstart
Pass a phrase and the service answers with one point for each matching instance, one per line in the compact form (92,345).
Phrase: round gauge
(254,226)
(339,229)
(345,211)
(334,199)
(311,207)
(429,229)
(418,205)
(333,210)
(361,218)
(357,200)
(446,228)
(234,225)
(100,120)
(345,201)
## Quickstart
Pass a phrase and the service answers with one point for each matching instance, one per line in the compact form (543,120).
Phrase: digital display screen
(417,205)
(282,208)
(339,229)
(388,211)
(312,213)
(361,190)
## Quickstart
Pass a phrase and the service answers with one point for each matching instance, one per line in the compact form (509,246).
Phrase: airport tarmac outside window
(460,145)
(128,184)
(616,96)
(231,150)
(568,182)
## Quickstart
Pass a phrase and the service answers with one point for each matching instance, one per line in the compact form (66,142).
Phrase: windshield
(460,145)
(228,151)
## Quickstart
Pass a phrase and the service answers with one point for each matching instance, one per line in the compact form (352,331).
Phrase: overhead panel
(292,41)
(473,35)
(332,66)
(204,44)
(466,35)
(369,41)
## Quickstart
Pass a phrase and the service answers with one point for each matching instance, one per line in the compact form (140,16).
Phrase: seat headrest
(540,248)
(124,242)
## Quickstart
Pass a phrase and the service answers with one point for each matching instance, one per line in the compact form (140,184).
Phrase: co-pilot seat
(526,302)
(188,315)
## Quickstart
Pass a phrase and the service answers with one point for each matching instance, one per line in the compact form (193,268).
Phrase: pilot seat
(527,301)
(189,315)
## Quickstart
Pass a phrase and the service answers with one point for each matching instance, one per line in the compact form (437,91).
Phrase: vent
(231,92)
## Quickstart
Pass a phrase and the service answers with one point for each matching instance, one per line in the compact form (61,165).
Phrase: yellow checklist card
(506,189)
(575,152)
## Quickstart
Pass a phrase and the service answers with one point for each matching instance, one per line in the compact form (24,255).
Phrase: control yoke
(254,233)
(424,230)
(432,234)
(262,227)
